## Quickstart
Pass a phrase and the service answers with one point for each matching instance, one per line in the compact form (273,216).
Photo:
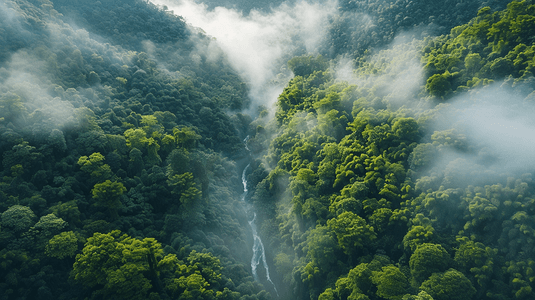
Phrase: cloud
(499,131)
(395,73)
(8,14)
(27,79)
(501,122)
(259,44)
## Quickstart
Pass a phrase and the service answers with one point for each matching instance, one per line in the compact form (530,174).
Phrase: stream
(259,253)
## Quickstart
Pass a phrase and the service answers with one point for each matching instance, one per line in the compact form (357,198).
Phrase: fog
(498,129)
(259,44)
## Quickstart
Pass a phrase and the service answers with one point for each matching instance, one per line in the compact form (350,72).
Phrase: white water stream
(259,253)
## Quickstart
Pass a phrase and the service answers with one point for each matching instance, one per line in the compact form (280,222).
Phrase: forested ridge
(385,185)
(115,140)
(397,164)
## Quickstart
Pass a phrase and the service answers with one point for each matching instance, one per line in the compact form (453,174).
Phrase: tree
(198,279)
(62,245)
(321,252)
(406,129)
(421,296)
(94,165)
(438,85)
(186,137)
(136,138)
(22,154)
(475,258)
(49,225)
(185,186)
(421,232)
(11,107)
(306,65)
(391,282)
(351,231)
(108,195)
(428,259)
(18,218)
(207,265)
(450,285)
(116,265)
(92,141)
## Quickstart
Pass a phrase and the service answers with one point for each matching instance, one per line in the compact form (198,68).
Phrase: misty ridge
(385,149)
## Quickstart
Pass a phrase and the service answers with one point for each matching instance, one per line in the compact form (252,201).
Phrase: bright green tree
(116,265)
(62,245)
(184,185)
(94,165)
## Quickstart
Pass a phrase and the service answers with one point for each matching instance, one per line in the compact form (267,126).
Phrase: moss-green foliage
(62,245)
(428,259)
(365,25)
(451,284)
(110,125)
(102,138)
(359,171)
(494,45)
(116,263)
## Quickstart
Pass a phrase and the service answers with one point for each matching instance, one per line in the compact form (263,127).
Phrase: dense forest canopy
(394,163)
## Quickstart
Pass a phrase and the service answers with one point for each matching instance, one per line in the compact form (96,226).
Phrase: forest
(396,162)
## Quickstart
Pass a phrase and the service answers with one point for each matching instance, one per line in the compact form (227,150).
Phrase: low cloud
(396,74)
(259,44)
(498,129)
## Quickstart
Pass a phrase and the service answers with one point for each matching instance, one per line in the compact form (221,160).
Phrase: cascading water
(259,253)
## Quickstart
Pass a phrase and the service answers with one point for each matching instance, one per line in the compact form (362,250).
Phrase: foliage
(116,263)
(62,245)
(451,284)
(127,123)
(18,218)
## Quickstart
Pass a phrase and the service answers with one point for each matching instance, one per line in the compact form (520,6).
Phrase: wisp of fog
(259,44)
(499,131)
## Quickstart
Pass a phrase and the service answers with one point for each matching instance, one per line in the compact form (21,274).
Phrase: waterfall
(259,253)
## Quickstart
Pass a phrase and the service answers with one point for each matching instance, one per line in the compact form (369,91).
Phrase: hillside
(405,173)
(395,164)
(116,134)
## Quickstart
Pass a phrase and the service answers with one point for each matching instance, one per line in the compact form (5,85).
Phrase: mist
(497,128)
(258,45)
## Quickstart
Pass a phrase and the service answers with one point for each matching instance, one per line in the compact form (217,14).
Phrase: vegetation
(385,197)
(121,141)
(113,183)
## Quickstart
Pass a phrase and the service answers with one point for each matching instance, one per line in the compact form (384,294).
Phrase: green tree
(351,231)
(306,65)
(11,107)
(94,165)
(116,266)
(428,259)
(136,138)
(186,137)
(391,282)
(321,252)
(18,218)
(473,257)
(421,232)
(108,195)
(438,85)
(450,285)
(185,186)
(198,279)
(62,245)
